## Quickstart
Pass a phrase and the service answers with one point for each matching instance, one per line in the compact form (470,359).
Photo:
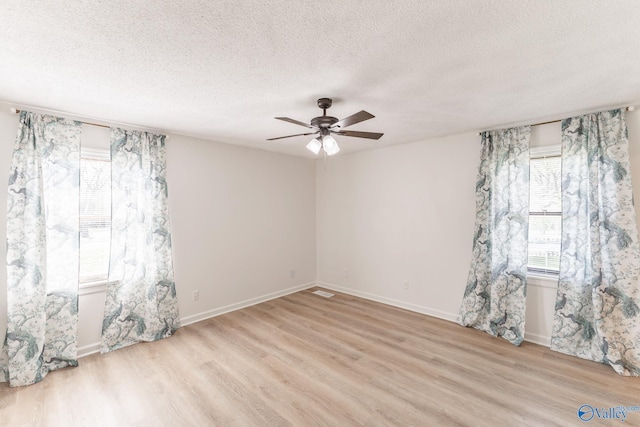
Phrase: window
(95,215)
(545,210)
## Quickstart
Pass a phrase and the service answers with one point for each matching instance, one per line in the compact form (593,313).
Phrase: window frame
(93,284)
(544,152)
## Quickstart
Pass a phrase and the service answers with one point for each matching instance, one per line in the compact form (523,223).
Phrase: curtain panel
(141,301)
(597,313)
(42,249)
(494,298)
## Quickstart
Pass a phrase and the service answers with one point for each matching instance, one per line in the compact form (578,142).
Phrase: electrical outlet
(345,273)
(405,286)
(292,273)
(196,295)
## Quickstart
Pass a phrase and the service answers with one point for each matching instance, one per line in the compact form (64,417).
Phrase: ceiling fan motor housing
(323,121)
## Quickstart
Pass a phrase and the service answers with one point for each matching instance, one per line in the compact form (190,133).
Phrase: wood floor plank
(308,360)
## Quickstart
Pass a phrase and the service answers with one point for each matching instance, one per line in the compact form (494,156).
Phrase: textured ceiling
(221,70)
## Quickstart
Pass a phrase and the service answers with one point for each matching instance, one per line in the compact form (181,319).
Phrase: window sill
(88,288)
(542,280)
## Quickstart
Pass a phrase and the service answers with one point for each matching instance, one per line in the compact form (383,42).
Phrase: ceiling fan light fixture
(325,125)
(330,145)
(315,145)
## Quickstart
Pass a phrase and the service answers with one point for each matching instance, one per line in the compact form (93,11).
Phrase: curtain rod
(629,108)
(16,111)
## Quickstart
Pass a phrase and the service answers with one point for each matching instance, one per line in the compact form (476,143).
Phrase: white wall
(399,214)
(241,221)
(406,213)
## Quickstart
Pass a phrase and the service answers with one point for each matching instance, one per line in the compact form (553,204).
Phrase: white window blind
(95,215)
(545,213)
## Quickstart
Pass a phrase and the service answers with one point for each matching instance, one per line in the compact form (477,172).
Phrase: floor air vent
(323,294)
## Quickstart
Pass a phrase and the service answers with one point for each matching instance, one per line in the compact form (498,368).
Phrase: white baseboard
(184,321)
(86,350)
(396,303)
(537,339)
(533,338)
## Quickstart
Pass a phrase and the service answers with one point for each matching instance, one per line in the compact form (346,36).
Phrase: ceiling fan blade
(358,134)
(289,136)
(295,122)
(353,119)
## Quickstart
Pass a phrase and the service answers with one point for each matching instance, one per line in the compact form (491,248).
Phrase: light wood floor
(305,360)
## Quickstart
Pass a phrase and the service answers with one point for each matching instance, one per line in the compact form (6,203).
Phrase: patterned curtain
(141,302)
(42,249)
(597,309)
(494,299)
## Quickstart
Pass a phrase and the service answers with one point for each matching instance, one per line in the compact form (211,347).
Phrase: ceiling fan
(325,125)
